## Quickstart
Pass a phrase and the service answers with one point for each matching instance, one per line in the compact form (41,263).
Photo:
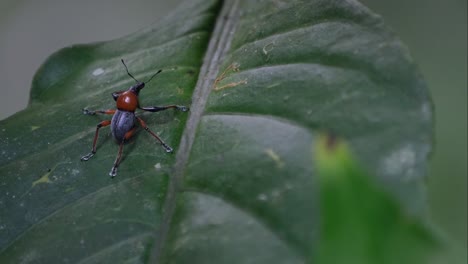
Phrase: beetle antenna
(153,76)
(129,74)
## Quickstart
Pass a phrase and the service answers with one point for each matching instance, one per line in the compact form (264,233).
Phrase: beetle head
(137,87)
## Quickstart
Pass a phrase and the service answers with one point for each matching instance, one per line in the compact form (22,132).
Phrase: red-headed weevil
(123,123)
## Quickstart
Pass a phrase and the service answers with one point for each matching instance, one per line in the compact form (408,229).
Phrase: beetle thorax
(127,101)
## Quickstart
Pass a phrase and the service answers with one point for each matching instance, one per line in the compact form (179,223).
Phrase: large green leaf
(263,76)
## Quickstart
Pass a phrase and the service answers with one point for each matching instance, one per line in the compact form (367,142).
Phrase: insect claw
(182,108)
(87,157)
(167,148)
(87,112)
(113,172)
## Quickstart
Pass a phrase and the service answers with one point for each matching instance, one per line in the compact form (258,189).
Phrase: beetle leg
(113,171)
(161,108)
(163,144)
(89,112)
(127,136)
(93,150)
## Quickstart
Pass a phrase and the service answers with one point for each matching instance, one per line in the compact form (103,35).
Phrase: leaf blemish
(268,47)
(275,157)
(43,179)
(233,67)
(230,85)
(272,85)
(180,90)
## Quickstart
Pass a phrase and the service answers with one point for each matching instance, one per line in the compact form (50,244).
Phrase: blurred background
(435,32)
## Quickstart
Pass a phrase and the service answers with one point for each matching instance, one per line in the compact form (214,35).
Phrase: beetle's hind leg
(162,108)
(93,150)
(127,136)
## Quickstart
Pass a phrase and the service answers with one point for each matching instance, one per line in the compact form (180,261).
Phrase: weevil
(124,121)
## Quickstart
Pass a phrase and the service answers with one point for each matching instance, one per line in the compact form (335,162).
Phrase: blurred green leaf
(361,223)
(272,73)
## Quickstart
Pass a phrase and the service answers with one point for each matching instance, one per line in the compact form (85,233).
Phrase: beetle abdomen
(122,122)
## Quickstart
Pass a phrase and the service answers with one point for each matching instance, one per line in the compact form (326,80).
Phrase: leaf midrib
(220,42)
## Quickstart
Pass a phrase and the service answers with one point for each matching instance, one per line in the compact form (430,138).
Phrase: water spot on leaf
(75,172)
(401,162)
(29,257)
(149,205)
(98,71)
(426,111)
(157,166)
(262,197)
(275,193)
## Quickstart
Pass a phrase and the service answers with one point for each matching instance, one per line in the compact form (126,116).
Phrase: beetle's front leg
(90,112)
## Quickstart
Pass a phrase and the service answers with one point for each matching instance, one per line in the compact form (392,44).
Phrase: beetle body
(124,121)
(124,118)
